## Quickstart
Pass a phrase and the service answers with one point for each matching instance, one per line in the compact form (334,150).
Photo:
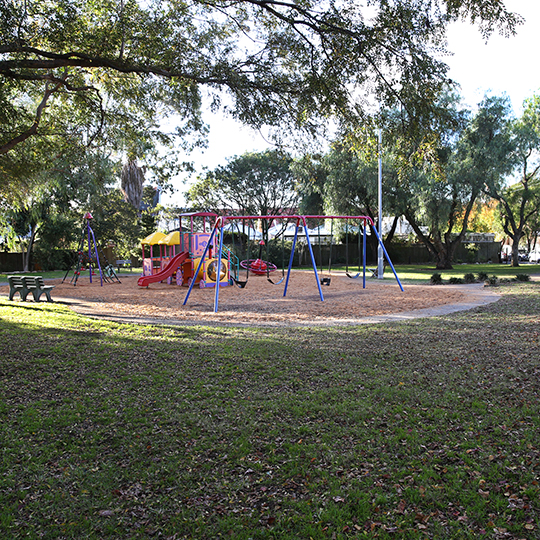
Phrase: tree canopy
(86,67)
(252,184)
(519,203)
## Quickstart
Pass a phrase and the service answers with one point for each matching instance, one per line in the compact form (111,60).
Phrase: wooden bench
(17,285)
(124,263)
(37,287)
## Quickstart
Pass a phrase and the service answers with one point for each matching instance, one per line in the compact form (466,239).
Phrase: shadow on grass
(428,428)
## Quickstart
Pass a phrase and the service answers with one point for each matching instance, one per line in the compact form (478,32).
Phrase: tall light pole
(380,254)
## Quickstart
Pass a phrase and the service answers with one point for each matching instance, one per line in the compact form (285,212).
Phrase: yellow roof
(172,239)
(153,238)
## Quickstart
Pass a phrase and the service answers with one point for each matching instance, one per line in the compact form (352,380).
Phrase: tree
(132,183)
(252,184)
(115,67)
(311,174)
(426,189)
(519,203)
(443,182)
(117,221)
(484,217)
(345,181)
(46,208)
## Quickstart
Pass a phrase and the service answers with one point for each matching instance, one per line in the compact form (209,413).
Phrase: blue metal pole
(97,254)
(218,271)
(387,257)
(199,266)
(313,263)
(364,253)
(291,259)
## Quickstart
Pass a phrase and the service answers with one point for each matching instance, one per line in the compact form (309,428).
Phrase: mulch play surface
(259,303)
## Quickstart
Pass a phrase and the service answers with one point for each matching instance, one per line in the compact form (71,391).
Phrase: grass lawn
(424,429)
(407,273)
(421,273)
(60,274)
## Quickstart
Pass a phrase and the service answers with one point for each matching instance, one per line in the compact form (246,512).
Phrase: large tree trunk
(439,250)
(515,253)
(444,262)
(27,257)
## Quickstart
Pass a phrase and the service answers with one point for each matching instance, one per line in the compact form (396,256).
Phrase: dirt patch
(259,303)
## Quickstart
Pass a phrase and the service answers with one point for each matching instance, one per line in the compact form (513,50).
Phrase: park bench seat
(37,287)
(17,285)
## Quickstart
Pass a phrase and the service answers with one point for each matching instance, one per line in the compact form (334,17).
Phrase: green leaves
(250,184)
(283,63)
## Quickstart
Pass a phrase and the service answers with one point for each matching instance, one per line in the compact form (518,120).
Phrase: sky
(496,67)
(502,65)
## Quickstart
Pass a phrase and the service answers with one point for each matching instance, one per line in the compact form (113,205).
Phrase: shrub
(481,276)
(523,277)
(491,281)
(469,278)
(455,281)
(436,279)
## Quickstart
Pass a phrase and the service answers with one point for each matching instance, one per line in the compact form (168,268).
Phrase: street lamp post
(380,254)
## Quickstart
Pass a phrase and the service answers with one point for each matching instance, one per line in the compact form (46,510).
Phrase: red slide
(167,272)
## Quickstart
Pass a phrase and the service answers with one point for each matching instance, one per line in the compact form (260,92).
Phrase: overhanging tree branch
(32,130)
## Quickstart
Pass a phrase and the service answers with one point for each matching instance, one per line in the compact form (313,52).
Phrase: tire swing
(258,266)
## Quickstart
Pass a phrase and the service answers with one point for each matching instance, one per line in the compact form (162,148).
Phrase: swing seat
(326,281)
(238,283)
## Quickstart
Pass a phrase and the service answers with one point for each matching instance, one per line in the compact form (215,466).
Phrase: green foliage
(469,278)
(456,281)
(117,222)
(252,184)
(102,67)
(436,279)
(470,149)
(481,276)
(523,277)
(472,252)
(518,202)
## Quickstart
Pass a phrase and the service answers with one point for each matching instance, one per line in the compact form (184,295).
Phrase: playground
(260,302)
(182,266)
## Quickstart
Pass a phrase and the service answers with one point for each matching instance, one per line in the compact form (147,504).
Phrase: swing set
(259,266)
(92,257)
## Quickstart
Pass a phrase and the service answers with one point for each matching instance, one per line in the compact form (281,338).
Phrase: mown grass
(421,273)
(425,429)
(60,274)
(411,273)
